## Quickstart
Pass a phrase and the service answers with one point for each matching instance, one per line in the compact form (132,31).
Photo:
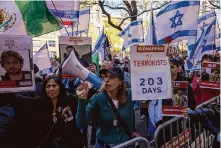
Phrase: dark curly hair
(10,53)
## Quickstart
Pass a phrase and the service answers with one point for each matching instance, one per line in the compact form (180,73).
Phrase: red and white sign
(210,75)
(150,73)
(179,100)
(178,141)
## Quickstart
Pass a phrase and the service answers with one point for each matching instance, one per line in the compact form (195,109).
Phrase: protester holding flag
(115,109)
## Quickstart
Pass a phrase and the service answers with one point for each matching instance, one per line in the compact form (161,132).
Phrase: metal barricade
(182,132)
(172,133)
(134,141)
(215,99)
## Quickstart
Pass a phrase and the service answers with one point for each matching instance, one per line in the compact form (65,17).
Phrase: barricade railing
(179,132)
(133,142)
(215,99)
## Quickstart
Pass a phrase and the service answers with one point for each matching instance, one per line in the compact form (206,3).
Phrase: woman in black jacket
(48,121)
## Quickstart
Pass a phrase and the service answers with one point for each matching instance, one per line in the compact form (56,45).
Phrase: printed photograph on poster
(179,101)
(16,66)
(81,47)
(210,75)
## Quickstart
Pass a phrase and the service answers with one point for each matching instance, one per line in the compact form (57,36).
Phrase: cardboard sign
(210,75)
(81,46)
(150,73)
(179,100)
(16,69)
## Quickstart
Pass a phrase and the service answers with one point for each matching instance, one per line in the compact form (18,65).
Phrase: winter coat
(35,115)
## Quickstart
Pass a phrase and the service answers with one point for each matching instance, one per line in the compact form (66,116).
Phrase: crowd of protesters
(58,113)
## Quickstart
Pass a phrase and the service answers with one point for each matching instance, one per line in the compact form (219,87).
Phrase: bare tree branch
(101,4)
(214,5)
(134,10)
(141,13)
(127,4)
(122,8)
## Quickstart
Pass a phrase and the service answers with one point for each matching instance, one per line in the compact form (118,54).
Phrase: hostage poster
(16,68)
(179,101)
(81,47)
(210,75)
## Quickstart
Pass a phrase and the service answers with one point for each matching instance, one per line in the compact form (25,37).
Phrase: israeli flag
(132,34)
(203,22)
(42,60)
(99,43)
(151,38)
(206,43)
(82,26)
(218,36)
(177,21)
(67,11)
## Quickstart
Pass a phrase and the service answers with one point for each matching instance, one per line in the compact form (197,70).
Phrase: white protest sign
(16,68)
(150,73)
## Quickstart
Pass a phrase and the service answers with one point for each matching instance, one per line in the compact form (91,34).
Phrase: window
(98,30)
(98,16)
(51,43)
(36,43)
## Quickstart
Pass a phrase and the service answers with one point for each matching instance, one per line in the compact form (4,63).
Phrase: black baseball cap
(114,69)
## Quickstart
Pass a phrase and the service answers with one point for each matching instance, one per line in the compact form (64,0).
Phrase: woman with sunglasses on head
(48,120)
(115,109)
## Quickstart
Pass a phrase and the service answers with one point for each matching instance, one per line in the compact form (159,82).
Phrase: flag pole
(59,17)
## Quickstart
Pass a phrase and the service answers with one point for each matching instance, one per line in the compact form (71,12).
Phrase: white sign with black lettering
(150,73)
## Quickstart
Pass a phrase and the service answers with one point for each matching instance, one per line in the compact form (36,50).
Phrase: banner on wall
(81,47)
(179,101)
(16,68)
(150,73)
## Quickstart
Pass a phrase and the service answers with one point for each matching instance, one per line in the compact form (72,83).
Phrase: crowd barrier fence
(134,142)
(178,132)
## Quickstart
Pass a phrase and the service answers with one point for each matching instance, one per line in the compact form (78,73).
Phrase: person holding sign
(115,109)
(203,94)
(177,76)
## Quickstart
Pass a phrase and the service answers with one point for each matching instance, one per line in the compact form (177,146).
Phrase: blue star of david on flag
(173,19)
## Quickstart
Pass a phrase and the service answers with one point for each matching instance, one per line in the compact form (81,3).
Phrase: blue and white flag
(218,36)
(67,11)
(102,47)
(151,38)
(42,59)
(99,43)
(203,22)
(132,34)
(206,43)
(82,26)
(177,21)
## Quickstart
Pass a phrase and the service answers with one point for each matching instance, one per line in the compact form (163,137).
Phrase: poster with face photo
(210,75)
(81,47)
(16,66)
(179,101)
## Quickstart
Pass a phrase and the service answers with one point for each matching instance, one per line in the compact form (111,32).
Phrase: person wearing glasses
(114,105)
